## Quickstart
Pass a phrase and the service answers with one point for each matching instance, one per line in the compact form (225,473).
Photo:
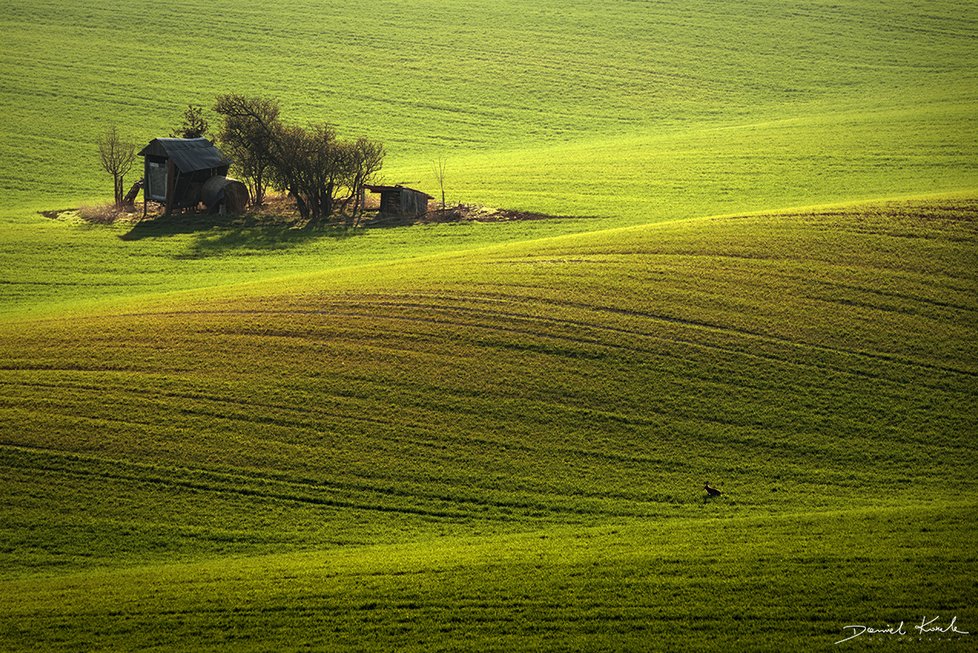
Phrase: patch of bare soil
(279,211)
(95,214)
(460,213)
(57,214)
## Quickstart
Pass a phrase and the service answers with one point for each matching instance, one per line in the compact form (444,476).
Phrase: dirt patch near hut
(279,212)
(461,213)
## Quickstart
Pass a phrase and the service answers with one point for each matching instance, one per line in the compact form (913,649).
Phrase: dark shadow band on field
(190,223)
(216,235)
(266,239)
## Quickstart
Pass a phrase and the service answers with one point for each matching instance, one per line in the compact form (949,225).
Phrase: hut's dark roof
(380,189)
(187,154)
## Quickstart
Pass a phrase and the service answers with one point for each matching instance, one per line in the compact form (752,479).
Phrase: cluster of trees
(322,173)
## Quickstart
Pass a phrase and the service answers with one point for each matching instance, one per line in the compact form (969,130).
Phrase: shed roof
(380,189)
(188,154)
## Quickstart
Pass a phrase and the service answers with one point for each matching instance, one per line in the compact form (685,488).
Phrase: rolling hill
(495,436)
(628,113)
(513,402)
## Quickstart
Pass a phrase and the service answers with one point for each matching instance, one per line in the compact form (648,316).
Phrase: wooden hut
(401,201)
(176,170)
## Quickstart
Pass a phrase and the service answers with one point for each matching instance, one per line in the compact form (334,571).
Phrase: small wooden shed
(401,201)
(176,170)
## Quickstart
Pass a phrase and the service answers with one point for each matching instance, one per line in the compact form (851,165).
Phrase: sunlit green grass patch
(495,436)
(801,360)
(710,584)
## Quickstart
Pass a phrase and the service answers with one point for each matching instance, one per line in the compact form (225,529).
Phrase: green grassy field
(633,113)
(693,100)
(510,431)
(495,436)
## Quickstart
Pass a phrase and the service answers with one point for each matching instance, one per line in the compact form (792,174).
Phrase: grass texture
(494,436)
(511,445)
(687,98)
(627,113)
(623,114)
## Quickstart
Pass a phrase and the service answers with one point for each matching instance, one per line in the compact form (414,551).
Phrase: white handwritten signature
(925,627)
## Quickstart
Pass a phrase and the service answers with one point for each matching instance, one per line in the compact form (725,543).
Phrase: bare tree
(438,167)
(117,157)
(366,159)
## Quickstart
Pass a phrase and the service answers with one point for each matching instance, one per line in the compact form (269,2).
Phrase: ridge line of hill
(109,305)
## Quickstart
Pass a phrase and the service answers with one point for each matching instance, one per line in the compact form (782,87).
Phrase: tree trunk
(259,193)
(301,205)
(357,202)
(326,201)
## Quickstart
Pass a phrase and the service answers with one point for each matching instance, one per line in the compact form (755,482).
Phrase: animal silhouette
(712,491)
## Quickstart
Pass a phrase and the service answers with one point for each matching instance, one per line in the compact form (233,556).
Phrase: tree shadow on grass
(216,235)
(249,240)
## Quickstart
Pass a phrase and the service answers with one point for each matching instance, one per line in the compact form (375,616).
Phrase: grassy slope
(485,77)
(496,441)
(628,113)
(578,388)
(759,584)
(645,178)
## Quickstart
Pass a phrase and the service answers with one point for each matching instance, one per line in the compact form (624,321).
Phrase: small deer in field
(711,491)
